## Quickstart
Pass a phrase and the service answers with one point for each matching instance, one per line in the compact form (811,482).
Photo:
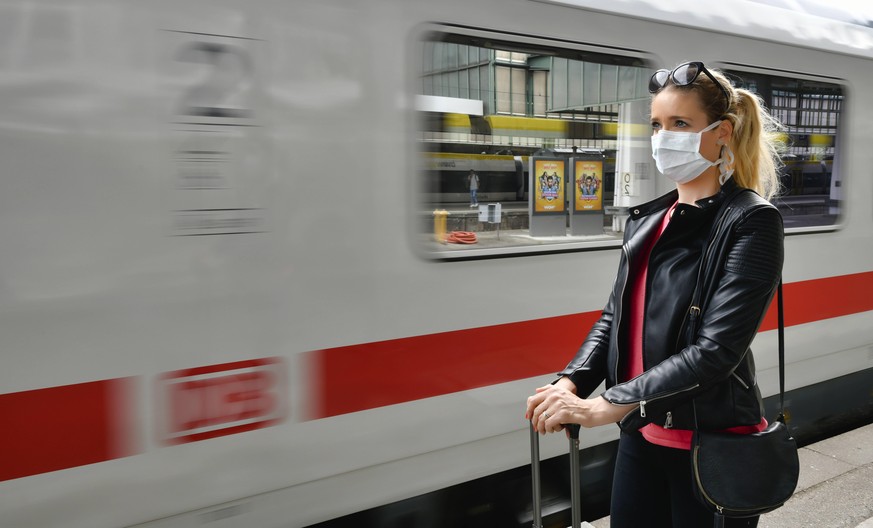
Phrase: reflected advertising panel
(548,186)
(588,185)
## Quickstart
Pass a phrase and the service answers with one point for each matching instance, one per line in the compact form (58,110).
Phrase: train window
(810,111)
(492,109)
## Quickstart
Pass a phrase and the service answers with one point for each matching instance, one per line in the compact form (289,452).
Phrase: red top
(676,438)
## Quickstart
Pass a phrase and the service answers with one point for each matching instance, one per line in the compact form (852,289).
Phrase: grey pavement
(835,489)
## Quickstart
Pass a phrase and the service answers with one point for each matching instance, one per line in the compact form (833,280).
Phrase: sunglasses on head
(683,75)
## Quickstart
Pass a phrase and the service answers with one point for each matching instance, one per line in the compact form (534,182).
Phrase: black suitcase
(575,482)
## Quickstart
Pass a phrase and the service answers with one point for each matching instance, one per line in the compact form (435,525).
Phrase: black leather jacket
(714,365)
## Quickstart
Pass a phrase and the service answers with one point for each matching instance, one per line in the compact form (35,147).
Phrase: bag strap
(781,333)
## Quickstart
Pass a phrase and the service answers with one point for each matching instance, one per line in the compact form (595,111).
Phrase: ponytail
(756,143)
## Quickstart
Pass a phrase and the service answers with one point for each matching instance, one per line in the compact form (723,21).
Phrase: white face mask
(677,155)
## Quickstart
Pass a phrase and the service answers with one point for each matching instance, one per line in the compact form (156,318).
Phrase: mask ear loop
(726,159)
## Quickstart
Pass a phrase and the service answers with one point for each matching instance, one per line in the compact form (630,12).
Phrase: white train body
(217,315)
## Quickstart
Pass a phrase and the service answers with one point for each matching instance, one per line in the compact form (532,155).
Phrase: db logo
(206,402)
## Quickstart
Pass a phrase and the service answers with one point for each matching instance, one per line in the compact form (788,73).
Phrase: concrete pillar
(635,170)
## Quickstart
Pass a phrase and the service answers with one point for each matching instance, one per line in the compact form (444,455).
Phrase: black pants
(652,488)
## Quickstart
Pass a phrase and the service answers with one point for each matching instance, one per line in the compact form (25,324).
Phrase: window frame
(524,43)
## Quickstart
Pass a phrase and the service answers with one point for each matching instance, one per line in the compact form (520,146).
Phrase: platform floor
(835,488)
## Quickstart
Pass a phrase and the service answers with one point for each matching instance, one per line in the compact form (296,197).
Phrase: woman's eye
(681,124)
(656,126)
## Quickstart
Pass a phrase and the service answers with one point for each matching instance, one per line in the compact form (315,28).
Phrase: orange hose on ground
(461,237)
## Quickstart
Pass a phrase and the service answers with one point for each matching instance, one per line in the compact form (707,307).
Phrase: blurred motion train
(219,307)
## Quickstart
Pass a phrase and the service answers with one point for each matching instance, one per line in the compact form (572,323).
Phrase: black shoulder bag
(744,475)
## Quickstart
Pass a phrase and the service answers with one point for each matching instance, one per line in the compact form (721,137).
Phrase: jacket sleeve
(747,281)
(588,368)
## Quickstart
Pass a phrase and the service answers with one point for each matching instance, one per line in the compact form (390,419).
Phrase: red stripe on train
(63,427)
(819,299)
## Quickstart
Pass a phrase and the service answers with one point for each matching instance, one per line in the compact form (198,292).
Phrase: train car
(220,306)
(502,178)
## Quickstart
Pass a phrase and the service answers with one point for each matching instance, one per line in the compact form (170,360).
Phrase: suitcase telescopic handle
(575,491)
(535,477)
(575,481)
(573,429)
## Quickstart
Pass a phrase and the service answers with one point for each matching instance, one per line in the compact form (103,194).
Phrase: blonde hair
(757,144)
(757,139)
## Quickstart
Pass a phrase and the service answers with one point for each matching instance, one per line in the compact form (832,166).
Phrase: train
(221,305)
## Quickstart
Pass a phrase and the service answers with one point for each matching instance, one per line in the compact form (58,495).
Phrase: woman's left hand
(553,406)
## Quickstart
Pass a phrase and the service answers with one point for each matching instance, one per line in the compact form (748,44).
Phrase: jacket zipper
(743,383)
(682,329)
(643,403)
(695,311)
(620,303)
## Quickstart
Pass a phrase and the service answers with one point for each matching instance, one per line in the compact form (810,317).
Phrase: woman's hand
(555,405)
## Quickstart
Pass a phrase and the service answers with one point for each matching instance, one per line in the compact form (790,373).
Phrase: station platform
(796,212)
(835,489)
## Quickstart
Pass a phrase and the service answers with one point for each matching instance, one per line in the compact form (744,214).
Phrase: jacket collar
(663,202)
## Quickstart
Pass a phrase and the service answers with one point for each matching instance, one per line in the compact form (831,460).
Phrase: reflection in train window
(498,108)
(810,177)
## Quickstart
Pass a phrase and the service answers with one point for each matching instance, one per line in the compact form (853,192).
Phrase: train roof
(831,26)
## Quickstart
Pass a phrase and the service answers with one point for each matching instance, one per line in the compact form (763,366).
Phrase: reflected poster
(548,186)
(588,185)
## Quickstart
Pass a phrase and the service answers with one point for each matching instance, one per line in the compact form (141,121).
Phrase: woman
(717,143)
